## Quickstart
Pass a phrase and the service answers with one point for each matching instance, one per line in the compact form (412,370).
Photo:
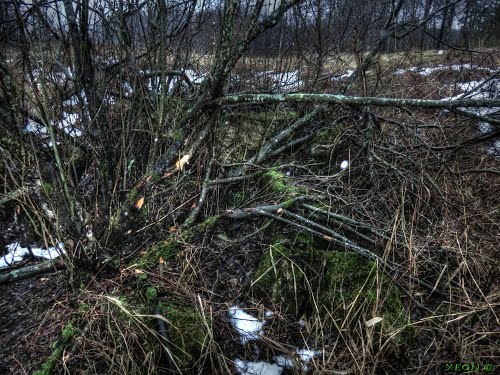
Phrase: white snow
(17,253)
(110,99)
(302,358)
(484,127)
(73,101)
(127,89)
(347,74)
(195,78)
(305,356)
(467,86)
(250,328)
(38,129)
(247,326)
(59,78)
(476,91)
(68,124)
(257,368)
(495,150)
(429,70)
(280,82)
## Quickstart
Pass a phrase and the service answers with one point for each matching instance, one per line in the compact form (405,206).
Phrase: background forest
(249,187)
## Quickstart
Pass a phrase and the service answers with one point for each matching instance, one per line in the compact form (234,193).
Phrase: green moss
(172,245)
(187,333)
(209,222)
(279,183)
(273,115)
(177,135)
(279,279)
(151,294)
(58,346)
(263,117)
(164,249)
(83,308)
(330,285)
(328,147)
(46,368)
(235,199)
(68,331)
(47,188)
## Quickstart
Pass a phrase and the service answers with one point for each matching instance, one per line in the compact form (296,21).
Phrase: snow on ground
(305,356)
(247,326)
(155,85)
(17,253)
(478,90)
(257,368)
(347,74)
(301,359)
(481,90)
(36,128)
(481,111)
(68,124)
(59,78)
(195,78)
(467,86)
(74,100)
(429,70)
(279,82)
(495,149)
(250,328)
(127,89)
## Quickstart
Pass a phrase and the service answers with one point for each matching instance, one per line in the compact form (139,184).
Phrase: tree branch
(333,99)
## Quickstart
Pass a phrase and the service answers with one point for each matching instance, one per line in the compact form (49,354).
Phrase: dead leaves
(138,205)
(179,165)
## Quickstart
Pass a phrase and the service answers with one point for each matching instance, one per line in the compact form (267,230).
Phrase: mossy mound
(187,333)
(279,279)
(339,288)
(278,183)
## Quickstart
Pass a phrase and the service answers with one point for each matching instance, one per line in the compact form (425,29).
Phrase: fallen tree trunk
(354,100)
(32,270)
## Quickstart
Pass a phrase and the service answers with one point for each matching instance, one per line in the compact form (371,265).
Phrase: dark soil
(33,313)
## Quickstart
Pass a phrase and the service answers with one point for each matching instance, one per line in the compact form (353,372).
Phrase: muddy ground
(32,315)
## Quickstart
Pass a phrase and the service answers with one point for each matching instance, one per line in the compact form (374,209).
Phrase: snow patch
(195,78)
(16,253)
(247,326)
(36,128)
(256,368)
(305,356)
(347,74)
(280,82)
(429,70)
(68,124)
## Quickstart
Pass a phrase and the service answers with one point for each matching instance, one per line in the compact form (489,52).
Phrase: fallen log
(32,270)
